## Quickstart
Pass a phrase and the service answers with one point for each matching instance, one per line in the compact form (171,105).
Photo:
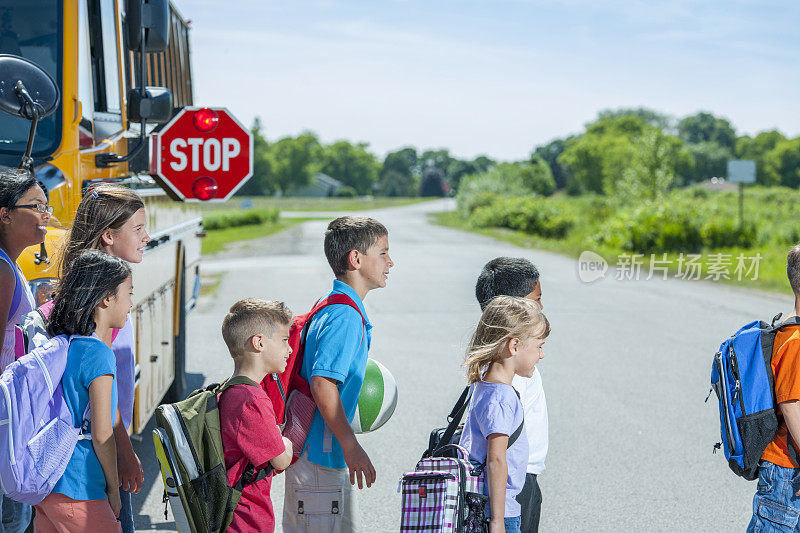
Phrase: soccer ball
(377,400)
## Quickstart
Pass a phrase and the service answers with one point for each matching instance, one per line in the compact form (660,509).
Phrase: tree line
(635,153)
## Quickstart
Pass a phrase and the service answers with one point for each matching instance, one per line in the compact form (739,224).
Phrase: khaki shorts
(319,500)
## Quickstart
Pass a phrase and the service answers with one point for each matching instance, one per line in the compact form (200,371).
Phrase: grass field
(216,240)
(289,203)
(771,267)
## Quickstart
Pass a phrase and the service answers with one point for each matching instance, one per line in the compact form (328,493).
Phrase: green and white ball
(377,400)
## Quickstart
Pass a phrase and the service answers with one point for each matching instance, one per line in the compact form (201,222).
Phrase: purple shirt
(495,408)
(123,350)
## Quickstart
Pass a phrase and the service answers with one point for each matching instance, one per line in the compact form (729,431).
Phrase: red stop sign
(203,154)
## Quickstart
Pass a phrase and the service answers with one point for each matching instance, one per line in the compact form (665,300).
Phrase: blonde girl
(112,219)
(507,342)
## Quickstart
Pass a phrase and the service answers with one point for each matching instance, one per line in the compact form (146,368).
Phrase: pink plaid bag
(444,495)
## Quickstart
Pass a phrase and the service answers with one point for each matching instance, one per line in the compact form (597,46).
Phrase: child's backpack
(441,437)
(188,442)
(37,437)
(741,375)
(290,393)
(445,493)
(31,332)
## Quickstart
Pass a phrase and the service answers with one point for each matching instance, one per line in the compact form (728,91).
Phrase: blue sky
(492,77)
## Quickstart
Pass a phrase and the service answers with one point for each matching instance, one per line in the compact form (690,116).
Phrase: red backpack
(289,388)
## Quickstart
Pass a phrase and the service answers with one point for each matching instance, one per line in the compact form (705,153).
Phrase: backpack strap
(250,475)
(333,299)
(454,419)
(17,296)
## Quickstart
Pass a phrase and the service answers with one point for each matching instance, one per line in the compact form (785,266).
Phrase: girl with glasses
(21,225)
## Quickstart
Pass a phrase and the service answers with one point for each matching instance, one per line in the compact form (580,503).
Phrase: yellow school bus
(100,53)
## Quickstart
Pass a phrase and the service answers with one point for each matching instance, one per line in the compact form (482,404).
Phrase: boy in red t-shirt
(257,334)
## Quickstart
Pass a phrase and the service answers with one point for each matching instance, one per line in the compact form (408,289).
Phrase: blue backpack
(741,375)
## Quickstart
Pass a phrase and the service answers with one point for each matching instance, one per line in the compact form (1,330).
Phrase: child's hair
(350,233)
(104,207)
(92,276)
(249,317)
(503,319)
(506,276)
(14,183)
(793,269)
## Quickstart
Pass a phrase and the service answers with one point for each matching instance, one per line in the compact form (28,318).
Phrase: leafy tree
(705,127)
(394,183)
(435,158)
(549,153)
(654,118)
(403,161)
(351,164)
(294,161)
(710,160)
(782,163)
(597,161)
(653,168)
(536,175)
(260,183)
(458,168)
(756,148)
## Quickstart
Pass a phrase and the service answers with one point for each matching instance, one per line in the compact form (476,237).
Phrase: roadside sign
(742,171)
(202,154)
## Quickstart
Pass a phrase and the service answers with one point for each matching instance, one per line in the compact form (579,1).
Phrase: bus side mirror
(155,105)
(152,16)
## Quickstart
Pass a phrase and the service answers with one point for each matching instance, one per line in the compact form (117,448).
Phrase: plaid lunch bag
(444,494)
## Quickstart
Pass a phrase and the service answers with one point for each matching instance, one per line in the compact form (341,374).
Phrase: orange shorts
(60,514)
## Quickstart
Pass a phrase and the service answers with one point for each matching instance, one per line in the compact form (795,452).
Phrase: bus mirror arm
(32,111)
(144,103)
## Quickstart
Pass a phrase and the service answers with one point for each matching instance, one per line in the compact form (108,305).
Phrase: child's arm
(497,478)
(329,403)
(129,467)
(103,436)
(283,461)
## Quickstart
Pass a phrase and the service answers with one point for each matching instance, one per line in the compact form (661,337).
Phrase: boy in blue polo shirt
(320,495)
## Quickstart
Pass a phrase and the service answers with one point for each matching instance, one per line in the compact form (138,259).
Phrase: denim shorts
(776,508)
(512,524)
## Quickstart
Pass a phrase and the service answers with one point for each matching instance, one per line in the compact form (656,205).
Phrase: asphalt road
(626,372)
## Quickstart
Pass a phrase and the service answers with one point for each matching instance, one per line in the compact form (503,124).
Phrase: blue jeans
(16,516)
(512,524)
(126,514)
(775,506)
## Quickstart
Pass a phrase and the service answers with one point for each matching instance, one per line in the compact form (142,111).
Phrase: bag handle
(454,417)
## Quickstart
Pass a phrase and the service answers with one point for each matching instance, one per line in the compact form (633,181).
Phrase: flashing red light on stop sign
(202,144)
(204,188)
(205,119)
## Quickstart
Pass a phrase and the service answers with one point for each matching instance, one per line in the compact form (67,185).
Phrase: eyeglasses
(42,208)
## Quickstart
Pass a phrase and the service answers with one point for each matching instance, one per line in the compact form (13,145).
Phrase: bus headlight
(42,289)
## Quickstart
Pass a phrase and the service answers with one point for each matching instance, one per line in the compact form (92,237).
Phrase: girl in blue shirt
(112,219)
(507,342)
(93,298)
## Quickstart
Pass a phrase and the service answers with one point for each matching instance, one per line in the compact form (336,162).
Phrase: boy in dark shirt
(257,335)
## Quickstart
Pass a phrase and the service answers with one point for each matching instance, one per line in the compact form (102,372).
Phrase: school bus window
(32,29)
(85,96)
(105,62)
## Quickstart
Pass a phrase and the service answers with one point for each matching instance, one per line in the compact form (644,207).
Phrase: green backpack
(188,444)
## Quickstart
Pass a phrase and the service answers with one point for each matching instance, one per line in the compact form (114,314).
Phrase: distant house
(321,186)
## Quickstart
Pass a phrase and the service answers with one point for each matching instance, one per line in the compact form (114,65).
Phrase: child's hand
(359,464)
(131,475)
(114,500)
(288,444)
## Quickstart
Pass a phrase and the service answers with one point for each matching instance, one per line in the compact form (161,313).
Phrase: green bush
(240,218)
(528,213)
(346,191)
